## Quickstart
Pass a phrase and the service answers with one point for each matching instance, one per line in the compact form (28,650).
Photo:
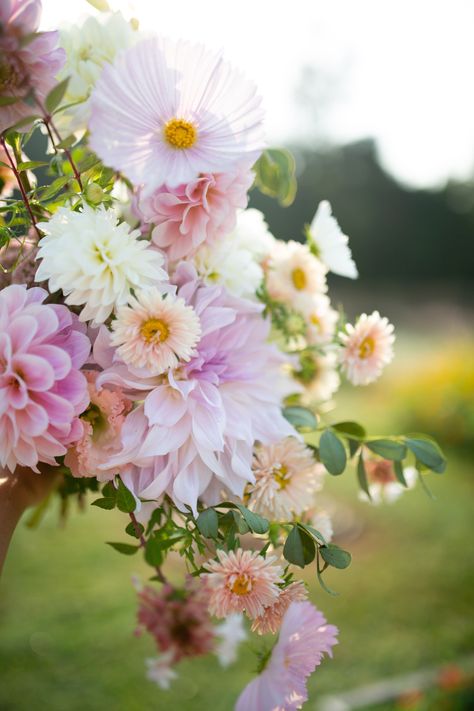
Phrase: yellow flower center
(180,134)
(280,477)
(315,320)
(241,585)
(299,278)
(367,347)
(154,330)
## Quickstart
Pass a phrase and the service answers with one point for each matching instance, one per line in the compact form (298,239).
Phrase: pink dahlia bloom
(178,620)
(304,638)
(270,620)
(25,66)
(195,213)
(367,348)
(204,416)
(101,426)
(243,581)
(42,392)
(167,111)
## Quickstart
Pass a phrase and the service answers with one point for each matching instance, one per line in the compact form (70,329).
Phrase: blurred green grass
(67,605)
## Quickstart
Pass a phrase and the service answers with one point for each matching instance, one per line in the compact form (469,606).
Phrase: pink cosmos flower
(201,420)
(270,620)
(26,66)
(42,392)
(178,620)
(101,425)
(243,581)
(304,638)
(201,211)
(367,348)
(167,111)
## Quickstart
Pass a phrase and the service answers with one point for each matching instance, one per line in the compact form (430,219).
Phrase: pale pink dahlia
(270,620)
(286,478)
(195,213)
(304,638)
(28,66)
(42,392)
(243,581)
(167,111)
(101,424)
(201,420)
(155,332)
(367,348)
(178,620)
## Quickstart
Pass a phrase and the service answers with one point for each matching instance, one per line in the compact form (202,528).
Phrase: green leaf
(314,532)
(153,551)
(275,175)
(299,547)
(240,522)
(335,556)
(26,121)
(300,417)
(388,449)
(354,446)
(332,453)
(362,476)
(67,142)
(105,503)
(124,548)
(398,469)
(208,523)
(428,453)
(125,499)
(31,164)
(89,162)
(134,529)
(55,187)
(350,429)
(256,523)
(56,95)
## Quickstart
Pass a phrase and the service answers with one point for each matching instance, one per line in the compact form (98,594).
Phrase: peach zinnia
(156,332)
(243,581)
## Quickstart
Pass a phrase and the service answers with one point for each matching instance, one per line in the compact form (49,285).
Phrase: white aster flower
(383,484)
(319,317)
(294,272)
(286,477)
(155,332)
(159,670)
(367,348)
(330,243)
(95,261)
(231,633)
(319,376)
(88,47)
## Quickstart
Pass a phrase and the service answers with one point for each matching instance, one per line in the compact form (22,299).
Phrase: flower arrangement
(158,344)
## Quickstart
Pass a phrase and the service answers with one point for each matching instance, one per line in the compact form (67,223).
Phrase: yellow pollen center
(280,477)
(241,585)
(315,320)
(154,330)
(299,278)
(180,133)
(367,347)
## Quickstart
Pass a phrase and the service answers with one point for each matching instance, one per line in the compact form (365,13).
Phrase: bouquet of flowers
(176,357)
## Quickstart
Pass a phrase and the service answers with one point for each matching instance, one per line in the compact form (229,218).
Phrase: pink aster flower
(367,348)
(243,581)
(383,483)
(178,620)
(26,66)
(293,273)
(201,211)
(270,620)
(101,425)
(167,111)
(155,332)
(304,638)
(42,391)
(203,417)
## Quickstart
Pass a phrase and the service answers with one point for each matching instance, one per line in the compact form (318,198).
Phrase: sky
(399,71)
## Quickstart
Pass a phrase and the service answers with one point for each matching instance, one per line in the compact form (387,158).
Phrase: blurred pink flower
(198,212)
(304,638)
(167,111)
(28,64)
(243,581)
(270,619)
(367,348)
(101,424)
(42,391)
(178,620)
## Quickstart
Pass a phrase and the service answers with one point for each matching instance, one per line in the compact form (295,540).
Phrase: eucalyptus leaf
(332,453)
(362,476)
(350,429)
(428,453)
(334,556)
(388,449)
(398,469)
(256,523)
(300,417)
(208,523)
(299,547)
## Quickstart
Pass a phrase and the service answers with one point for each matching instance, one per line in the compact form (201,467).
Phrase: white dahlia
(330,243)
(95,261)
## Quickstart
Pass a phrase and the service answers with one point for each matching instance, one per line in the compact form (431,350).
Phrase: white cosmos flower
(330,243)
(95,261)
(231,633)
(88,47)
